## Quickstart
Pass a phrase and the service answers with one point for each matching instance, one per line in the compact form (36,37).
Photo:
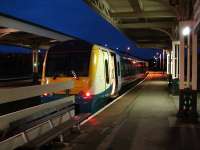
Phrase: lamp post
(163,61)
(186,33)
(160,61)
(188,94)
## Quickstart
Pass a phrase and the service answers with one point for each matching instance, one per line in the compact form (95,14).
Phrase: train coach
(98,72)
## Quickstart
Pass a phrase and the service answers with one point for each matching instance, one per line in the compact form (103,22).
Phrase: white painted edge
(19,93)
(118,98)
(33,29)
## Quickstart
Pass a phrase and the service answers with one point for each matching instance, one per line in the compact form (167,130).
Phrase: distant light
(186,31)
(117,48)
(35,64)
(106,45)
(45,94)
(128,48)
(47,81)
(39,51)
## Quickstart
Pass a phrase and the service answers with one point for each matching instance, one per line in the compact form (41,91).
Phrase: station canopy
(150,23)
(35,22)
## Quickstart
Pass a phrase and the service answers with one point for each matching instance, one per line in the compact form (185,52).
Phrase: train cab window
(106,70)
(67,57)
(63,64)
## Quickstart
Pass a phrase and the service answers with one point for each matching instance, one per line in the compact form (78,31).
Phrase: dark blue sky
(11,49)
(72,17)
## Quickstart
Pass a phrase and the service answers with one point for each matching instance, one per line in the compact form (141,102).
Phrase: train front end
(65,62)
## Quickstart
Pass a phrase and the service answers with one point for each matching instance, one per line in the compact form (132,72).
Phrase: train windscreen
(69,58)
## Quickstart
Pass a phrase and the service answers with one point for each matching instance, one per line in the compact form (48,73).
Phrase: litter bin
(175,86)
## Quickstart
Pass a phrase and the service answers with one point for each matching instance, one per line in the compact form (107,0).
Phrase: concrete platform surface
(144,119)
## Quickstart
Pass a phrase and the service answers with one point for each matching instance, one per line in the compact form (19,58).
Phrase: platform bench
(55,132)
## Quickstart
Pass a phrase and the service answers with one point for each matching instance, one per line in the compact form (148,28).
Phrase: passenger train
(98,72)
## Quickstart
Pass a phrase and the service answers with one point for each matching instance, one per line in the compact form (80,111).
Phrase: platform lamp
(186,33)
(187,98)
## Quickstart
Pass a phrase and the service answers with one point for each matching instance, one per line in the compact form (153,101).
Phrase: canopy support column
(188,95)
(194,71)
(163,61)
(177,58)
(169,68)
(35,64)
(172,62)
(168,63)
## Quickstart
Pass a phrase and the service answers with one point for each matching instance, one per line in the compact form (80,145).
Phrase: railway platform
(143,119)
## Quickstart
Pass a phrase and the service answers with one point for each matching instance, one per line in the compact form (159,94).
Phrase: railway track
(68,136)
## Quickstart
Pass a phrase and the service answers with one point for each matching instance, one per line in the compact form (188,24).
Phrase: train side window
(118,68)
(106,69)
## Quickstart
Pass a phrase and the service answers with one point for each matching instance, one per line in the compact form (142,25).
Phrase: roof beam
(147,14)
(147,25)
(24,44)
(136,5)
(103,9)
(6,30)
(14,23)
(197,14)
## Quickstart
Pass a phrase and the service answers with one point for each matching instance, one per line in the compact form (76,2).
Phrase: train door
(106,73)
(118,66)
(114,76)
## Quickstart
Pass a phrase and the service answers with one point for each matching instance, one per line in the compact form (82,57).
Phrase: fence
(20,93)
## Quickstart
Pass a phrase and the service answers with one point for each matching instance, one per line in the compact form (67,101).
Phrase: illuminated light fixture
(35,64)
(47,81)
(134,62)
(45,94)
(186,31)
(39,51)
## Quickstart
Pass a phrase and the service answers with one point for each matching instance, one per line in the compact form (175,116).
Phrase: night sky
(11,49)
(75,18)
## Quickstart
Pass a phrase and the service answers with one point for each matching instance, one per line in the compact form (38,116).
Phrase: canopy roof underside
(150,23)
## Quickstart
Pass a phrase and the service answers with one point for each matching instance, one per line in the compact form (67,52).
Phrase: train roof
(128,56)
(72,46)
(83,46)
